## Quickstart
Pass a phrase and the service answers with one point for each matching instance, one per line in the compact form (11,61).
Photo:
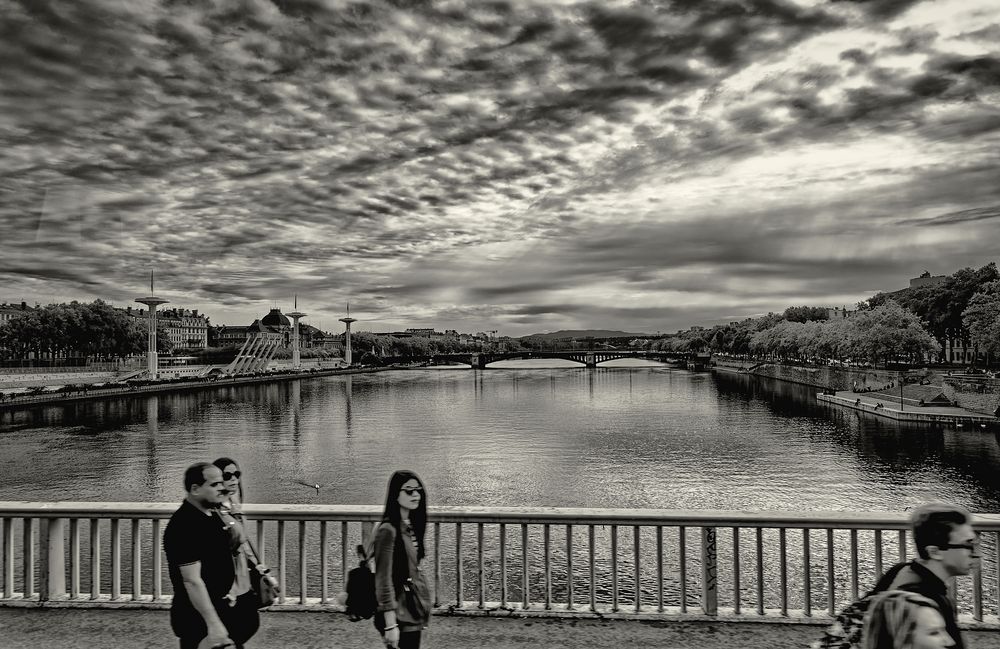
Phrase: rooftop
(275,318)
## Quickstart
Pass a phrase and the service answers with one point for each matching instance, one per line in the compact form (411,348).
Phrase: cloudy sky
(520,166)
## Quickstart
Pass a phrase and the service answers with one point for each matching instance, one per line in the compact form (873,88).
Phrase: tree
(94,330)
(889,332)
(982,318)
(941,305)
(806,313)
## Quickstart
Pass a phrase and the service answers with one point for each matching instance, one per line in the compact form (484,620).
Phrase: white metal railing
(792,566)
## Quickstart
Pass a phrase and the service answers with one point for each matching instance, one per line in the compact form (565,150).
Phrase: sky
(490,165)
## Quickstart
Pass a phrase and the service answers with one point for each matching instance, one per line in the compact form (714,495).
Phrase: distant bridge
(588,358)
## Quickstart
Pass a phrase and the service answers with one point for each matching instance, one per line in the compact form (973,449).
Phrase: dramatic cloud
(520,166)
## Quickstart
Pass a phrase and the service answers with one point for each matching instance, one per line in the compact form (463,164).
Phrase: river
(629,434)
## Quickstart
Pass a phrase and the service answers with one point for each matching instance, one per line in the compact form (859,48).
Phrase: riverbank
(976,396)
(95,394)
(888,408)
(25,628)
(36,379)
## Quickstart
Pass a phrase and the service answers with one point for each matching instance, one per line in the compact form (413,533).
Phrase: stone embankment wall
(61,378)
(976,394)
(833,378)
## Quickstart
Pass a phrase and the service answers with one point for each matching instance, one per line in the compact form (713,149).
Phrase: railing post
(709,572)
(8,558)
(52,568)
(28,557)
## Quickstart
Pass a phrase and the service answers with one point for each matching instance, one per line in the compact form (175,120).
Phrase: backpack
(361,602)
(845,632)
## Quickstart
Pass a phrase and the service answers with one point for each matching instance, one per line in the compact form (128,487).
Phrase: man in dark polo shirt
(200,558)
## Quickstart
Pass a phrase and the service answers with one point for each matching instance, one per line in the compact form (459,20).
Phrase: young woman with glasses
(231,513)
(404,600)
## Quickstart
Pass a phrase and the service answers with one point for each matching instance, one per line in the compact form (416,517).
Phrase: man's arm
(218,636)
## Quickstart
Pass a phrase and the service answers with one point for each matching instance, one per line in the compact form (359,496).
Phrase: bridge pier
(590,360)
(478,362)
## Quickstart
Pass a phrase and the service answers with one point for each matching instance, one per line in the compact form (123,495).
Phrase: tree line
(94,331)
(966,306)
(907,325)
(363,342)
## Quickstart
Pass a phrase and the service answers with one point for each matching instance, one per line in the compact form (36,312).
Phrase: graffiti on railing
(709,571)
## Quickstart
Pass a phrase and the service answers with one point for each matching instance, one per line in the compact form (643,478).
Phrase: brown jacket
(388,595)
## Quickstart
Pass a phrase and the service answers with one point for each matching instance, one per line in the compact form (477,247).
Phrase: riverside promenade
(889,407)
(16,401)
(30,628)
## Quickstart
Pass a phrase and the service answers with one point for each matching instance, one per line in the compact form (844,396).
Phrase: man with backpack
(947,546)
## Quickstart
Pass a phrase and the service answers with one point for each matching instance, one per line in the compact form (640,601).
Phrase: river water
(632,434)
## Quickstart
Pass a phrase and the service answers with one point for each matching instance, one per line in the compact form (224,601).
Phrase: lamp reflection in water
(347,405)
(152,439)
(295,398)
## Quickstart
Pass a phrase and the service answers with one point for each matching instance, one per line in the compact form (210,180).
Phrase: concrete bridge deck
(31,628)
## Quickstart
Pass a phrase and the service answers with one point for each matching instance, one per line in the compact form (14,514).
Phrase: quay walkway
(888,407)
(127,629)
(19,402)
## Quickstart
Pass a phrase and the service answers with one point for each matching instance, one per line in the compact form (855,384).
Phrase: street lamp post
(347,335)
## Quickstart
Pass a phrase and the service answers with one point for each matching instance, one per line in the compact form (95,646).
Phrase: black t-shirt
(192,536)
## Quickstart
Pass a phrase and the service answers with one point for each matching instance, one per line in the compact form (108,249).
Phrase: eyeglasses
(971,547)
(409,491)
(226,475)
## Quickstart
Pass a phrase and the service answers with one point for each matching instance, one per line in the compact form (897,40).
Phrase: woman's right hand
(392,637)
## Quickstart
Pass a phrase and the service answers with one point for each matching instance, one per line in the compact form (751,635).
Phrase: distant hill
(584,333)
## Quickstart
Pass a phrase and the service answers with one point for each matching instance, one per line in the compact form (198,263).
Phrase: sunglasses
(409,491)
(226,475)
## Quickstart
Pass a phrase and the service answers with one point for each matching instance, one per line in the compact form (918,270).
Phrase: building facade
(837,313)
(10,311)
(926,279)
(186,328)
(274,325)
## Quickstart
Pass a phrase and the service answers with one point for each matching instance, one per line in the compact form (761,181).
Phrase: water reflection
(608,437)
(911,455)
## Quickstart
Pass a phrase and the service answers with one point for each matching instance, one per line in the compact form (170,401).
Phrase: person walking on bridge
(199,549)
(947,546)
(899,619)
(404,600)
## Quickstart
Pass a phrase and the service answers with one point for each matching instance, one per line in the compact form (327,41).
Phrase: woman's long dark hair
(418,521)
(222,463)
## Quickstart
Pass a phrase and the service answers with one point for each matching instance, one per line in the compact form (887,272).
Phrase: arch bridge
(588,358)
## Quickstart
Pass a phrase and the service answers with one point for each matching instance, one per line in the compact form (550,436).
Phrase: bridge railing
(619,563)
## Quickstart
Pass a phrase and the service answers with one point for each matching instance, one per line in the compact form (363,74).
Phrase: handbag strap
(247,543)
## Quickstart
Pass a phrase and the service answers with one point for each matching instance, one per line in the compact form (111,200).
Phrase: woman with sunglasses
(404,601)
(231,512)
